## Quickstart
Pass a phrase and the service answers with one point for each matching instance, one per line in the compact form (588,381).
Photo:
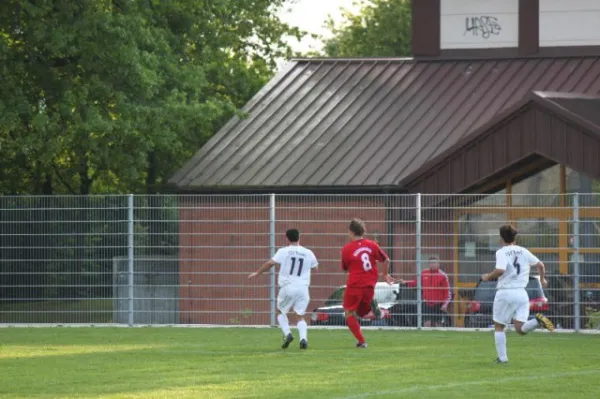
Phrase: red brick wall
(222,240)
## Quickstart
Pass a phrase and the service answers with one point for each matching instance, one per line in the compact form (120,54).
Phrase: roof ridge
(443,58)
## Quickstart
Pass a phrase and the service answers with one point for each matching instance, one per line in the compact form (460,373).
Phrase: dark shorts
(433,313)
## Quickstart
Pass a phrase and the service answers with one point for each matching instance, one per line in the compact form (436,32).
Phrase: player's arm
(384,261)
(541,268)
(344,264)
(275,260)
(266,266)
(409,283)
(542,272)
(314,264)
(498,271)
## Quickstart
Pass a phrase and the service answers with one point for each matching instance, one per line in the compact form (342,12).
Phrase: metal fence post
(418,261)
(272,252)
(130,275)
(577,293)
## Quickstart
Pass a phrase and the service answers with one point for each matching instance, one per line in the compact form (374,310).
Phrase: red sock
(354,327)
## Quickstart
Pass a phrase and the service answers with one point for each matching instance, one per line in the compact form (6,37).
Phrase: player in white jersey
(296,264)
(511,303)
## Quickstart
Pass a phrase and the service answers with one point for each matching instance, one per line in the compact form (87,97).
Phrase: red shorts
(358,299)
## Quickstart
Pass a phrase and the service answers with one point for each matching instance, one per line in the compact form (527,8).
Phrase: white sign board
(474,24)
(569,23)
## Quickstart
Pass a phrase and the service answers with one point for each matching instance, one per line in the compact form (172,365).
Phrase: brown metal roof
(557,127)
(370,122)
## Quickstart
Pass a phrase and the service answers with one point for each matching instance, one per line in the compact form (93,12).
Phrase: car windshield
(336,297)
(485,291)
(534,289)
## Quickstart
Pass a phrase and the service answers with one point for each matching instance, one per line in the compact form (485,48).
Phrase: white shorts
(511,304)
(293,297)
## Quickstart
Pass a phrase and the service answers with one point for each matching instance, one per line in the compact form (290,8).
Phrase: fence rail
(168,260)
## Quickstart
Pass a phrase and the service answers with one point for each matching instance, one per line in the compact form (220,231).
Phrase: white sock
(530,325)
(500,338)
(284,323)
(302,329)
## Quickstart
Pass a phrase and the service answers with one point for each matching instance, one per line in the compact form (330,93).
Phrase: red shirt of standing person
(436,293)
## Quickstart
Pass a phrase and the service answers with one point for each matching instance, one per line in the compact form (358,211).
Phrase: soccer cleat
(545,322)
(287,341)
(498,361)
(375,309)
(361,345)
(303,344)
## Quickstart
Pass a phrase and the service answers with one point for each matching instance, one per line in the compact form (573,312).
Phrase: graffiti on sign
(484,26)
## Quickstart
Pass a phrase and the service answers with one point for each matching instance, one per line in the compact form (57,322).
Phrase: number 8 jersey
(516,262)
(359,259)
(296,263)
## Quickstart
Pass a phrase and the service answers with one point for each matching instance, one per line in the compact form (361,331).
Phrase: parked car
(397,302)
(332,314)
(478,312)
(404,312)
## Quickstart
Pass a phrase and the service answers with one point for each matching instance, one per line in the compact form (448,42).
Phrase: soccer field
(247,363)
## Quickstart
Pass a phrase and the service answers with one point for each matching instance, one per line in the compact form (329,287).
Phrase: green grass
(247,363)
(97,311)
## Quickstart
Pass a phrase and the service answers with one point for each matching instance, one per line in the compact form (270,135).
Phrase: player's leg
(352,299)
(523,325)
(521,305)
(502,315)
(300,306)
(284,303)
(363,309)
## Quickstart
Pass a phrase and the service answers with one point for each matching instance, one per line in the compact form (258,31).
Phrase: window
(538,233)
(539,190)
(478,236)
(589,189)
(478,242)
(589,227)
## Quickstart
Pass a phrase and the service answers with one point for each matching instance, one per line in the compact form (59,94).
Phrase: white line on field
(420,388)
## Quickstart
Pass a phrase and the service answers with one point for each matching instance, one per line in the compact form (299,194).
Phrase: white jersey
(296,264)
(516,262)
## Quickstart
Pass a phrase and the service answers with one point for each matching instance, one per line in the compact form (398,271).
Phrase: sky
(310,16)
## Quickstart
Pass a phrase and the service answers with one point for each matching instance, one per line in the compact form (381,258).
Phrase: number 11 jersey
(296,263)
(359,259)
(516,262)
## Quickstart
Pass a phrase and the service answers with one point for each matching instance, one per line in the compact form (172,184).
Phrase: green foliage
(382,28)
(592,318)
(113,95)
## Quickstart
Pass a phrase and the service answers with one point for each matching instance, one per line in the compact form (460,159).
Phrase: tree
(382,28)
(114,95)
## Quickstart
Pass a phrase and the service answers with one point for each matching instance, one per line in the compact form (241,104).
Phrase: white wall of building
(569,23)
(469,24)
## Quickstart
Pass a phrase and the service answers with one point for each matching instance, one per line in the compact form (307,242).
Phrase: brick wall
(223,239)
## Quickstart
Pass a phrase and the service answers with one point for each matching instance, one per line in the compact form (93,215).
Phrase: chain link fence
(169,260)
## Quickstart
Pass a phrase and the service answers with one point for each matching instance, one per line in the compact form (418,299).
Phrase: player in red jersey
(359,261)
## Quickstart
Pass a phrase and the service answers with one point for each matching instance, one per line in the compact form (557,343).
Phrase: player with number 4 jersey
(359,261)
(511,303)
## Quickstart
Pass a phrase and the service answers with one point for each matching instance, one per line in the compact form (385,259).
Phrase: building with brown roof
(500,104)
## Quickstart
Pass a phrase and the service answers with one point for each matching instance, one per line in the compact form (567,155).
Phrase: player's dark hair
(293,235)
(508,233)
(357,227)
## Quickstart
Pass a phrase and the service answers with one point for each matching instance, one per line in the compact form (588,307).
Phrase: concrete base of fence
(425,330)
